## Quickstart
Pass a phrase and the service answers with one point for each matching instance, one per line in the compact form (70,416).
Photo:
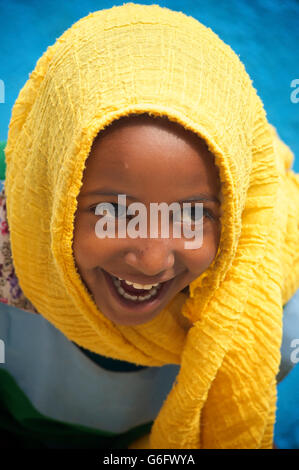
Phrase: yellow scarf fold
(144,58)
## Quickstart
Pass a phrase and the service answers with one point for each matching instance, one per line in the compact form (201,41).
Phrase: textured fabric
(145,58)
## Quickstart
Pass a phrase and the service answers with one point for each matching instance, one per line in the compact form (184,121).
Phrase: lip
(142,307)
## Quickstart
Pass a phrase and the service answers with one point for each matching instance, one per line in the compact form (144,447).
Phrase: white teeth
(134,284)
(128,296)
(124,294)
(153,291)
(139,286)
(145,298)
(133,297)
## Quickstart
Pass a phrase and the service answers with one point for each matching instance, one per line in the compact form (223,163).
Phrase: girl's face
(149,160)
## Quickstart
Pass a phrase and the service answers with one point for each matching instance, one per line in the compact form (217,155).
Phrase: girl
(148,103)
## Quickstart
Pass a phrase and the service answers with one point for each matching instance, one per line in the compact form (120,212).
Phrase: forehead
(156,150)
(160,127)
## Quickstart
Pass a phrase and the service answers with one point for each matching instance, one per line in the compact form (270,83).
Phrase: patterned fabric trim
(10,291)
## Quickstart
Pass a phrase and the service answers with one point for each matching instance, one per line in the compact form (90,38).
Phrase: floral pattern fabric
(10,290)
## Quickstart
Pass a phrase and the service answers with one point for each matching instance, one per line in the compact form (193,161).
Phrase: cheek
(91,252)
(86,246)
(199,260)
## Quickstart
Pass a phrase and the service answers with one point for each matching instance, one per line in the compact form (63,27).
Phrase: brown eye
(119,211)
(191,216)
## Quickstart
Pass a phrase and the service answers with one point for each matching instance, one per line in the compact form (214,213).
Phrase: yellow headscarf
(144,58)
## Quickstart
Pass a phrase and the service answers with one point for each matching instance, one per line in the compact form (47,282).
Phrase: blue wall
(264,33)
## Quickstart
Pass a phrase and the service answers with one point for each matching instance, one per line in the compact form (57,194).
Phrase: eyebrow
(198,197)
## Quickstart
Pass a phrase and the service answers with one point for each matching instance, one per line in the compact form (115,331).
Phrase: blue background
(265,35)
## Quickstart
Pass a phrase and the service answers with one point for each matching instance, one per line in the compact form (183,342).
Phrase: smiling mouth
(136,299)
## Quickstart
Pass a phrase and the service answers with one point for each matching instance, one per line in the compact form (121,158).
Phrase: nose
(151,257)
